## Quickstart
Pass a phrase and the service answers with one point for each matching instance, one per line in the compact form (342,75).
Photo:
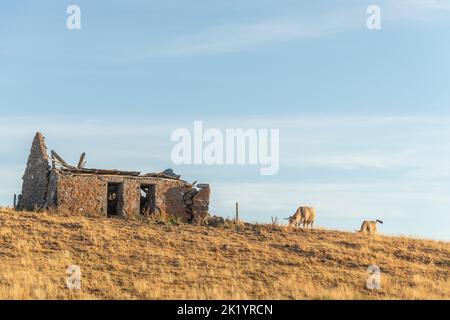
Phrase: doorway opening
(148,199)
(114,199)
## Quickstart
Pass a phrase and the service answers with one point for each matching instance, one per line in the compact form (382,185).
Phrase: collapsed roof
(59,164)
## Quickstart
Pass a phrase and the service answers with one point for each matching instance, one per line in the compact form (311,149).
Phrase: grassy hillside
(165,260)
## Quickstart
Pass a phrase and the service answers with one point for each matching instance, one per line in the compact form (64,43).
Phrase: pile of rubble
(195,197)
(196,201)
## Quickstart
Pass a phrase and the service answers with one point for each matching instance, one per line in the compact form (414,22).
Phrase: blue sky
(363,115)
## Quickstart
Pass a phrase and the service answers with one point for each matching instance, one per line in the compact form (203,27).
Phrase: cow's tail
(379,221)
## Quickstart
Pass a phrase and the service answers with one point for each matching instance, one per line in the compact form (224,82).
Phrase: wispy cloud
(421,11)
(424,4)
(343,142)
(235,37)
(335,199)
(238,36)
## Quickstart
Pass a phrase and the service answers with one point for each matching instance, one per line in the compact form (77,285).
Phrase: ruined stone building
(49,182)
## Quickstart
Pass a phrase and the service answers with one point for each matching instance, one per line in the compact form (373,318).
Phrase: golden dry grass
(150,260)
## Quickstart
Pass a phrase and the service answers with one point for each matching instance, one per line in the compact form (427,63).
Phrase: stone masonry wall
(51,189)
(169,198)
(35,179)
(200,206)
(83,193)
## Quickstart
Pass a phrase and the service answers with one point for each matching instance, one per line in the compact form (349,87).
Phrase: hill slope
(155,260)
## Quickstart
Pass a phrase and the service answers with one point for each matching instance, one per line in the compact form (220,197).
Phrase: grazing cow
(308,216)
(296,218)
(369,227)
(303,215)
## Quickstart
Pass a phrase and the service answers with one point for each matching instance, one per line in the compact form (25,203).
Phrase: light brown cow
(296,218)
(369,227)
(303,215)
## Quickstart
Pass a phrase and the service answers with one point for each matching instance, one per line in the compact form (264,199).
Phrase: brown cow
(369,227)
(303,215)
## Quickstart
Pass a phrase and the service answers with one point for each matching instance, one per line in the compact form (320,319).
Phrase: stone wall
(35,179)
(84,194)
(87,194)
(51,189)
(200,204)
(169,199)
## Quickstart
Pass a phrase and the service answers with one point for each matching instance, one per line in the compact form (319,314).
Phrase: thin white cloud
(421,11)
(424,4)
(390,198)
(235,37)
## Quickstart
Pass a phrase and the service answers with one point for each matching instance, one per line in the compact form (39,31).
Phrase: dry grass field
(163,259)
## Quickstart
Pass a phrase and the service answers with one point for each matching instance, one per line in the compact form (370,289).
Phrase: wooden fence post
(237,211)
